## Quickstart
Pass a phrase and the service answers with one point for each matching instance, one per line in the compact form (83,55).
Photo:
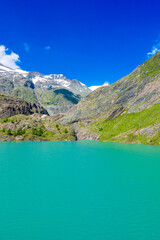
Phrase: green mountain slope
(126,111)
(142,127)
(133,93)
(57,100)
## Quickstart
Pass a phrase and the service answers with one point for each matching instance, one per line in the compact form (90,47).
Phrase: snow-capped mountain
(55,91)
(46,81)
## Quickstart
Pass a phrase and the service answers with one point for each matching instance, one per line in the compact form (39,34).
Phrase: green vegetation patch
(129,127)
(34,128)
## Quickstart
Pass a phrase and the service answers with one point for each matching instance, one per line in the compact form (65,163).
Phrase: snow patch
(18,70)
(38,79)
(3,68)
(62,82)
(92,88)
(82,84)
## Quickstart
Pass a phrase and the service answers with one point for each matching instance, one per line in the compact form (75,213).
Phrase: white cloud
(8,59)
(47,48)
(154,50)
(26,47)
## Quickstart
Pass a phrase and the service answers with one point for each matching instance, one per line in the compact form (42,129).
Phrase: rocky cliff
(10,106)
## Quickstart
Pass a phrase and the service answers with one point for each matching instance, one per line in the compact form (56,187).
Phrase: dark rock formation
(29,83)
(10,106)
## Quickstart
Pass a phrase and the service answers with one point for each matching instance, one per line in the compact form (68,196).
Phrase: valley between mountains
(37,107)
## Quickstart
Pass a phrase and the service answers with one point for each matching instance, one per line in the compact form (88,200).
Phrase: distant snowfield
(92,88)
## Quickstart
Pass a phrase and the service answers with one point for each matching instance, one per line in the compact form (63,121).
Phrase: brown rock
(10,106)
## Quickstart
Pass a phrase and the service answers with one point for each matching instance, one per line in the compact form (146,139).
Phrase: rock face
(86,136)
(133,93)
(10,106)
(52,91)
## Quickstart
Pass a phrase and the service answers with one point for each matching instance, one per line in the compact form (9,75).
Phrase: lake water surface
(83,190)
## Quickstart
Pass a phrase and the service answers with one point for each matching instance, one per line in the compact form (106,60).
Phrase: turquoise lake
(83,190)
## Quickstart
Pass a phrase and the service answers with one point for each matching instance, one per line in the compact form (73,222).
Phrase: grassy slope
(142,127)
(25,93)
(58,96)
(34,128)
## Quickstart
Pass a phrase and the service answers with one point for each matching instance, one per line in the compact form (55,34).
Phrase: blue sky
(92,41)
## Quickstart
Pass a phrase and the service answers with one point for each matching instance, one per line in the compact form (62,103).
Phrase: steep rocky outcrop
(10,106)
